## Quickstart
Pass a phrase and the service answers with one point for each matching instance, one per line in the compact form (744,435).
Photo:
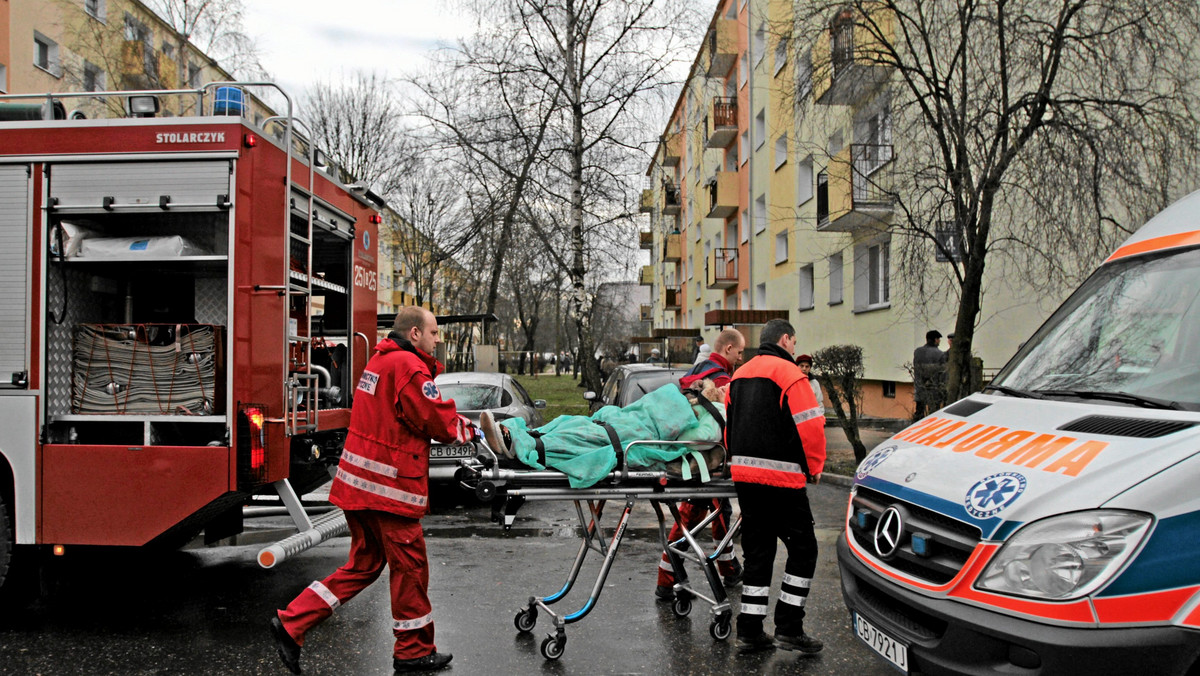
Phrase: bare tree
(216,28)
(839,369)
(1036,133)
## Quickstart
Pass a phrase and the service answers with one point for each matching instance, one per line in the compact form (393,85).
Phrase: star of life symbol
(430,390)
(874,460)
(993,494)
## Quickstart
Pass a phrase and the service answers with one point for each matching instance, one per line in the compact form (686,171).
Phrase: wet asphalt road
(205,611)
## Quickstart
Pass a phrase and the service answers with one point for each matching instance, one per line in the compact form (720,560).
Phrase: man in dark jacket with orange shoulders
(775,434)
(382,484)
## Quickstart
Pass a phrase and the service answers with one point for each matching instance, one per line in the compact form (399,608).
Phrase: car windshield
(1130,334)
(471,396)
(641,384)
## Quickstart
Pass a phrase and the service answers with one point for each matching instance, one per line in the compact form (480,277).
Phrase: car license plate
(457,451)
(887,647)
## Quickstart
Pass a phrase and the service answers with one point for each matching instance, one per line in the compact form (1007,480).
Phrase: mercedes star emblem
(888,531)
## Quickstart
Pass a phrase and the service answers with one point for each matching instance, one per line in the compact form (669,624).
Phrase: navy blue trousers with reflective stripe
(770,514)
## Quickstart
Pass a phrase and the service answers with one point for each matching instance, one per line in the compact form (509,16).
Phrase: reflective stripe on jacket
(775,430)
(397,410)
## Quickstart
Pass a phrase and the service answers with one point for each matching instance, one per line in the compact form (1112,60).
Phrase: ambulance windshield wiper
(1123,397)
(1014,392)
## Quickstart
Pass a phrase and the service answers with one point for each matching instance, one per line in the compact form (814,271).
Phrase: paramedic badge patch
(874,460)
(993,494)
(431,391)
(368,382)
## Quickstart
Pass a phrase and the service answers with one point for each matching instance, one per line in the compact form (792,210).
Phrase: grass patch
(563,394)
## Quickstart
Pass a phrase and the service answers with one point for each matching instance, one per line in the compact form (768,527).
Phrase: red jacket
(715,368)
(775,431)
(397,410)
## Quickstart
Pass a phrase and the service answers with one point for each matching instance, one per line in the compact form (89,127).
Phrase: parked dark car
(474,393)
(630,382)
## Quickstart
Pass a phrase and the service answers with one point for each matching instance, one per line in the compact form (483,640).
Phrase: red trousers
(377,539)
(693,514)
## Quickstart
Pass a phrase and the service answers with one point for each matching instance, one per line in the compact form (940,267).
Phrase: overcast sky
(304,41)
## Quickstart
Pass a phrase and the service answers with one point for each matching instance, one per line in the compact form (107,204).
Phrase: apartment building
(771,195)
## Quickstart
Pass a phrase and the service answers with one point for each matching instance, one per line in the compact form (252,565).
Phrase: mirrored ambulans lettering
(1047,452)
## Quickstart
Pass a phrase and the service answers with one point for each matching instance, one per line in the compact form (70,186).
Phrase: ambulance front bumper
(948,637)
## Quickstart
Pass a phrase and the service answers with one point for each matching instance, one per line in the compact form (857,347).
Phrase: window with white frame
(760,128)
(804,75)
(758,47)
(804,179)
(872,283)
(93,77)
(781,247)
(45,54)
(760,213)
(744,226)
(781,150)
(781,50)
(835,279)
(806,287)
(744,147)
(691,267)
(699,286)
(760,296)
(95,8)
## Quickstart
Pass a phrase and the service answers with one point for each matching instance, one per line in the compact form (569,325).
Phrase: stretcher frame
(513,487)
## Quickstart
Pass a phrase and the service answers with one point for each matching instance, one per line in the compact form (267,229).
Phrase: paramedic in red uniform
(726,354)
(382,484)
(776,438)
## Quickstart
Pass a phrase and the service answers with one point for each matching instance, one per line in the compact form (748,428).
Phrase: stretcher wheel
(720,628)
(682,606)
(525,620)
(553,647)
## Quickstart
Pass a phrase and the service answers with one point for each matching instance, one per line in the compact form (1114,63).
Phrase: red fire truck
(187,304)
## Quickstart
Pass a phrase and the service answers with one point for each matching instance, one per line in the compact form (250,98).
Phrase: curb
(837,480)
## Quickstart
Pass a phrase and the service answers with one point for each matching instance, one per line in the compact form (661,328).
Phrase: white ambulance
(1051,524)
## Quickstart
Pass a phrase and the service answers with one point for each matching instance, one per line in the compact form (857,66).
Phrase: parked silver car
(630,382)
(474,393)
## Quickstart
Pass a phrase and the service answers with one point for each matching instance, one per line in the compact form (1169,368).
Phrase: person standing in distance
(382,484)
(929,375)
(805,363)
(776,436)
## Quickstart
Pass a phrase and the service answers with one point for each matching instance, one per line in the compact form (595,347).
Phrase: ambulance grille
(1126,427)
(950,542)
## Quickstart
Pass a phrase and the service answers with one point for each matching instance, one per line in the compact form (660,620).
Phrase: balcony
(647,204)
(723,195)
(646,313)
(672,299)
(722,47)
(672,148)
(721,269)
(672,200)
(721,126)
(849,63)
(855,191)
(672,248)
(645,239)
(647,277)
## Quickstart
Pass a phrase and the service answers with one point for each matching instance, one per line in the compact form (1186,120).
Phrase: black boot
(285,645)
(430,662)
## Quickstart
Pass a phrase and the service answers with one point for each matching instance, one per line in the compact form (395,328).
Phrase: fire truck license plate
(458,451)
(889,648)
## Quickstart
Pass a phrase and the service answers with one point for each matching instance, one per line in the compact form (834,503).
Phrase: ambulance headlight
(1065,557)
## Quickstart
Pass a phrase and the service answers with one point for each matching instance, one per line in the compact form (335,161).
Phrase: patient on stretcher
(584,448)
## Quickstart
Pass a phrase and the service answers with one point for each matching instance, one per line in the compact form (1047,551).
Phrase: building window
(781,50)
(781,152)
(193,76)
(889,388)
(744,147)
(781,247)
(45,54)
(95,8)
(744,226)
(804,180)
(804,76)
(93,77)
(3,78)
(835,143)
(690,268)
(759,47)
(835,279)
(743,70)
(760,296)
(806,287)
(872,283)
(744,299)
(760,213)
(822,198)
(760,128)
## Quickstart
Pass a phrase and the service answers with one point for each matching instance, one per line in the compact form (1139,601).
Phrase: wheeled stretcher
(511,487)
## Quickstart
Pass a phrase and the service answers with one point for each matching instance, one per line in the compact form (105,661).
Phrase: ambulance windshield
(1132,328)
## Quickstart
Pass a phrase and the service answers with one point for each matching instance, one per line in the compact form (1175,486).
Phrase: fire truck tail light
(250,140)
(258,438)
(59,550)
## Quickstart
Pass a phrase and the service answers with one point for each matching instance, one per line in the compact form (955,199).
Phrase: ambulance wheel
(682,606)
(720,628)
(553,647)
(525,620)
